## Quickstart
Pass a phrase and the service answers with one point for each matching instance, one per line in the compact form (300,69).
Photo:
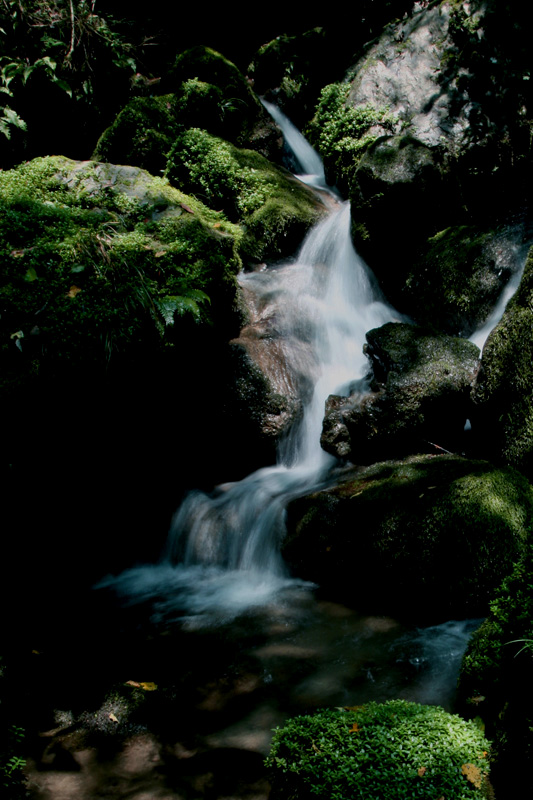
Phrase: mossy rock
(456,281)
(100,262)
(342,134)
(379,750)
(397,179)
(421,397)
(430,536)
(215,95)
(275,209)
(503,395)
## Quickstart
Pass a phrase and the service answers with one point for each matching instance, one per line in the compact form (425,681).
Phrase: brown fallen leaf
(421,771)
(159,253)
(186,208)
(113,718)
(133,683)
(355,728)
(148,686)
(472,774)
(73,291)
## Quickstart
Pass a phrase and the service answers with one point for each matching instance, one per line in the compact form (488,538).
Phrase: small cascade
(223,552)
(310,168)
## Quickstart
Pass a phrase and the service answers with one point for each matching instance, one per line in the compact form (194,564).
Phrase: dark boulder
(430,536)
(420,397)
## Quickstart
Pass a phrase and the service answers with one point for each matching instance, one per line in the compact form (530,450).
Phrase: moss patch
(275,209)
(390,750)
(342,133)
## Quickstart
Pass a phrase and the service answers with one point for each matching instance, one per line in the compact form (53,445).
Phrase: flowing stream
(277,647)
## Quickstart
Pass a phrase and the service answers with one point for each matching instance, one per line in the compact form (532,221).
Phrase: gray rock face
(401,71)
(421,397)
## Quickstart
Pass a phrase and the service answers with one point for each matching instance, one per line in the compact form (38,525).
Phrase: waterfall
(309,163)
(223,551)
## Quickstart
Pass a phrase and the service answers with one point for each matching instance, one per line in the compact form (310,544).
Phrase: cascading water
(223,549)
(222,578)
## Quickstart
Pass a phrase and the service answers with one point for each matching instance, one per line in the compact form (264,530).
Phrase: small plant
(379,751)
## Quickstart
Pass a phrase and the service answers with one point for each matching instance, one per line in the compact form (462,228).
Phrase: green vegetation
(342,133)
(58,59)
(495,678)
(99,262)
(276,210)
(379,752)
(11,739)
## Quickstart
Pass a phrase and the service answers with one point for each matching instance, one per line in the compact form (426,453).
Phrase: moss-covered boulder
(379,750)
(215,95)
(203,90)
(503,394)
(421,397)
(431,536)
(404,137)
(456,283)
(275,209)
(142,134)
(100,261)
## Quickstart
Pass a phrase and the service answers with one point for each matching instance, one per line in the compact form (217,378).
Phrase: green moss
(455,284)
(99,262)
(495,674)
(275,209)
(342,133)
(387,751)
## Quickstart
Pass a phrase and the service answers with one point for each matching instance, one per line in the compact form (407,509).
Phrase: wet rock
(431,536)
(420,397)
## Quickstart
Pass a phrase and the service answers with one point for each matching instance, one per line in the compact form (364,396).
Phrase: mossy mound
(215,95)
(99,262)
(431,536)
(380,750)
(275,209)
(503,394)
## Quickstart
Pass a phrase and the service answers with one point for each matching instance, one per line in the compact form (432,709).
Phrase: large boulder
(420,397)
(428,133)
(503,395)
(431,536)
